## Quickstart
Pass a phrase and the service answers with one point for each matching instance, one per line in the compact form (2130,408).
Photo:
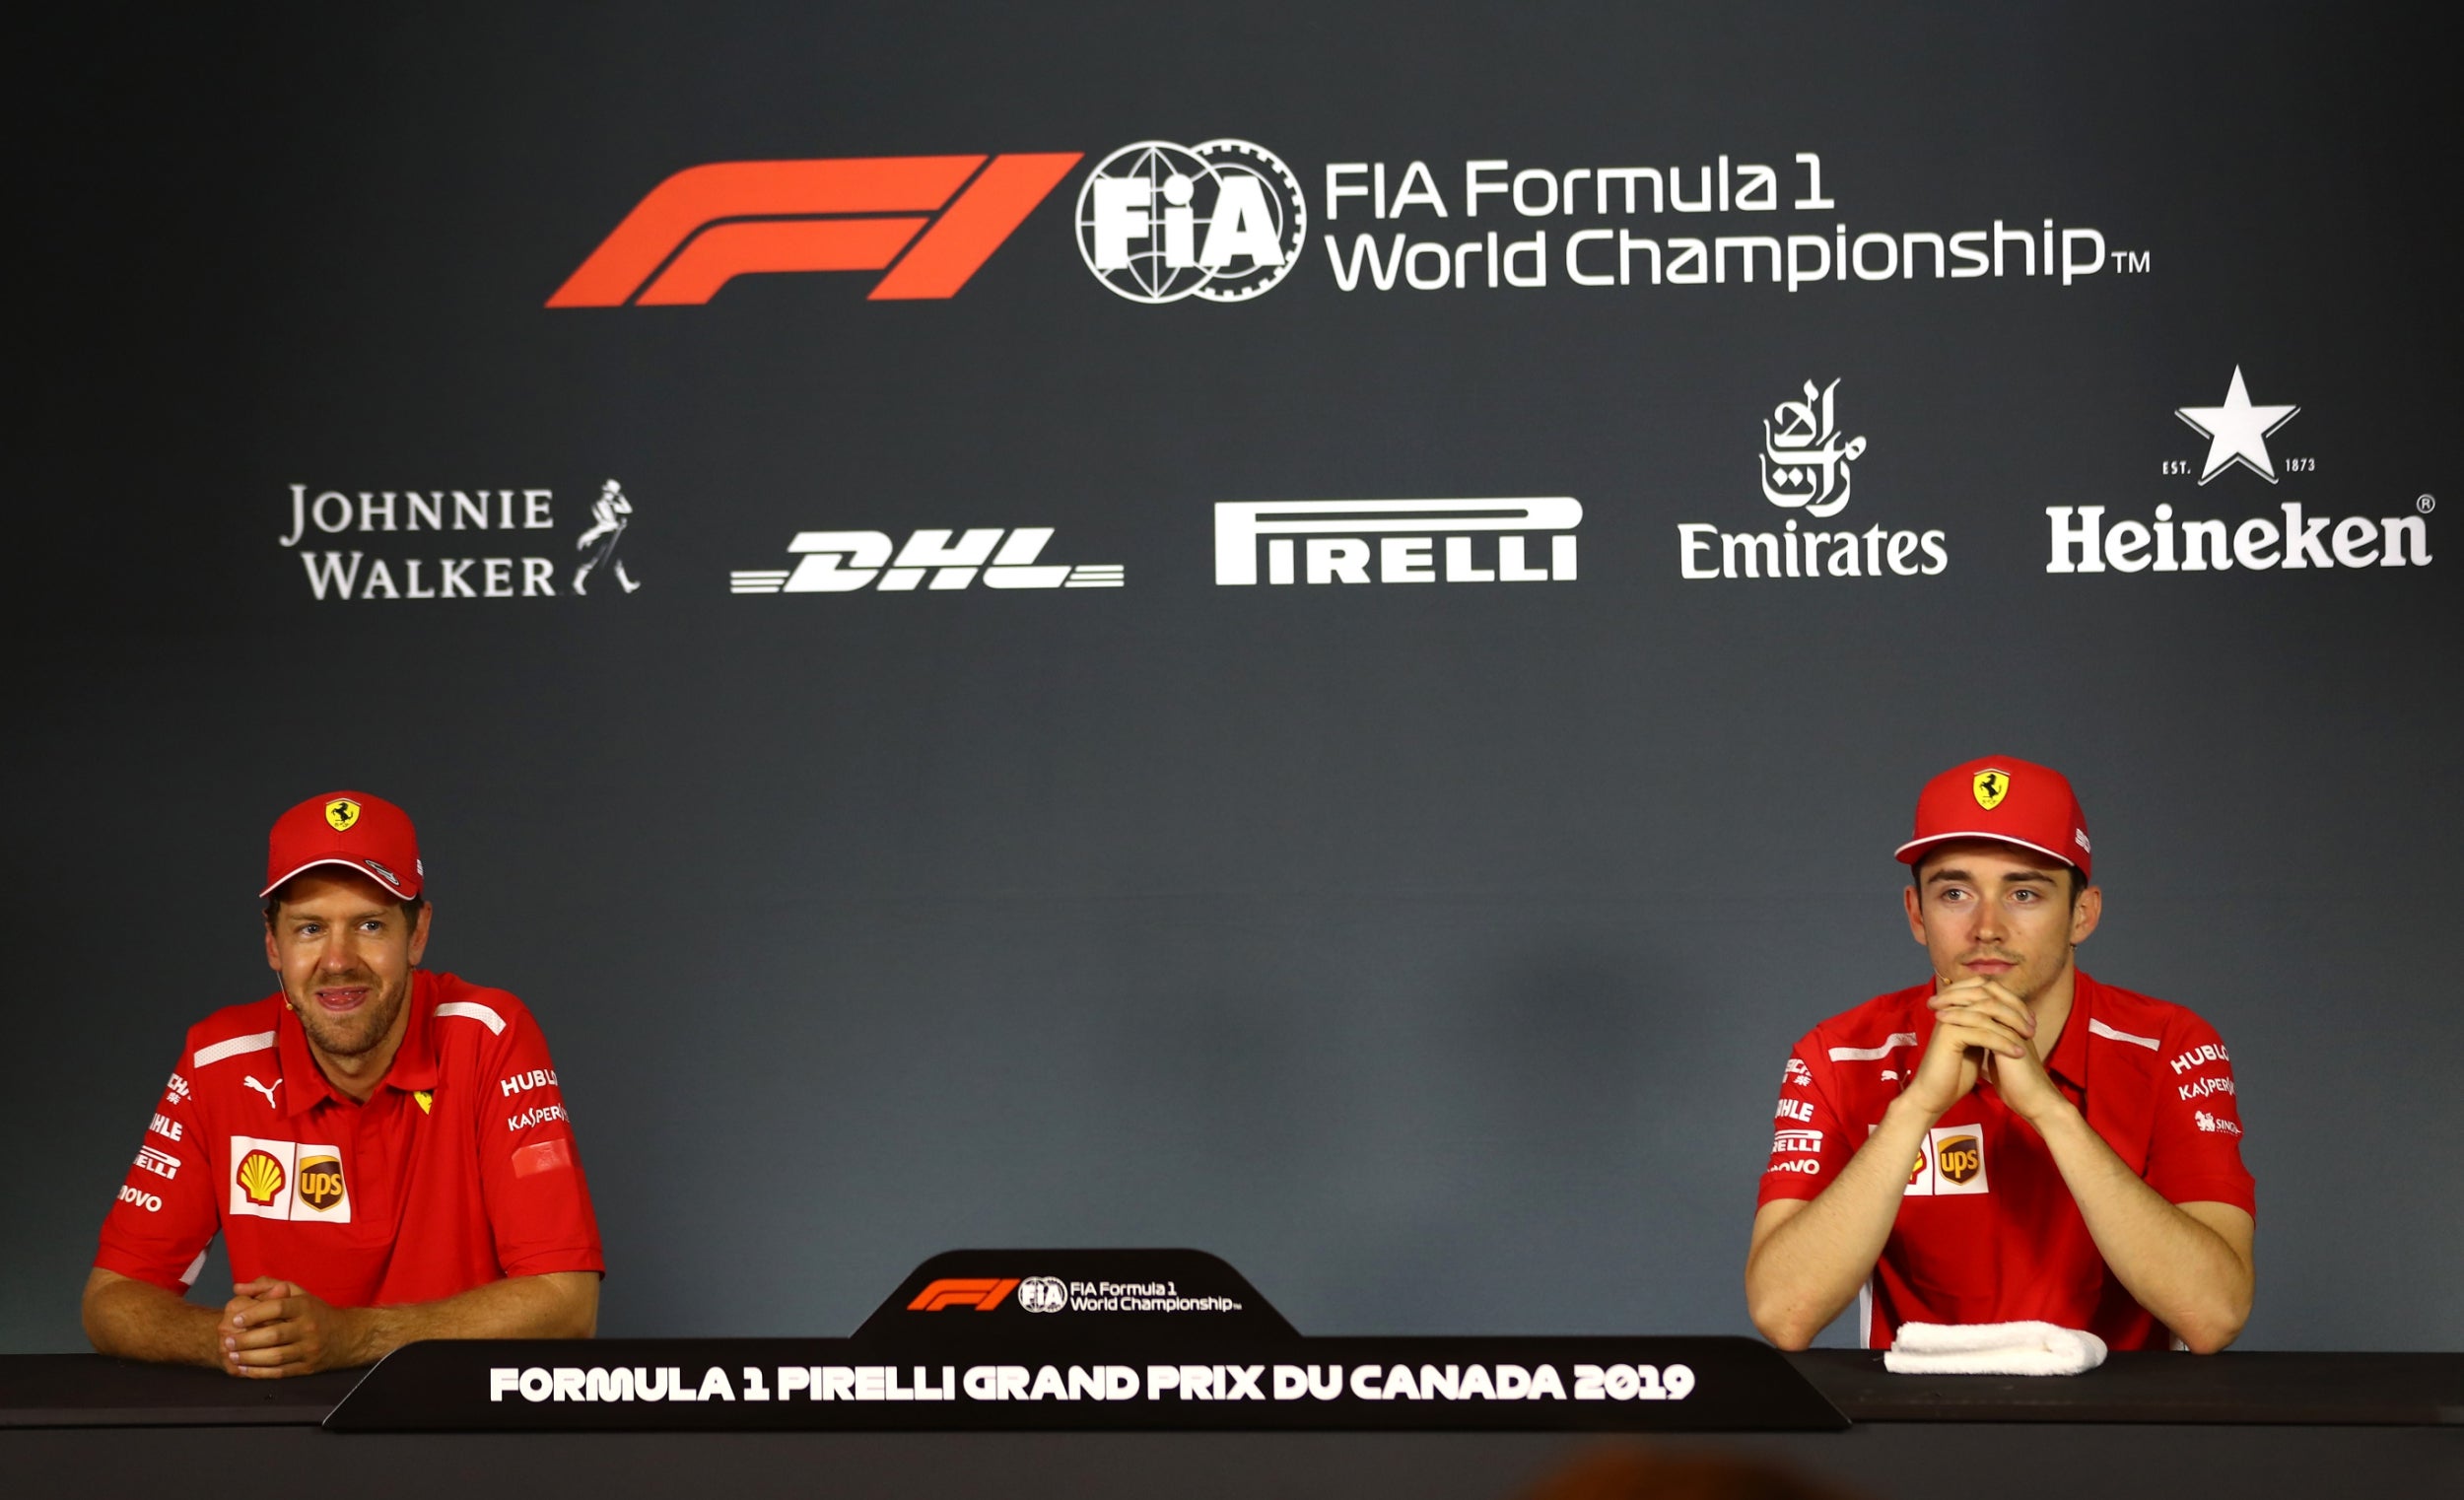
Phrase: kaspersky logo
(928,222)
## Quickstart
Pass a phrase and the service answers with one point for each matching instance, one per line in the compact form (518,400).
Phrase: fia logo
(1804,464)
(1223,220)
(1043,1294)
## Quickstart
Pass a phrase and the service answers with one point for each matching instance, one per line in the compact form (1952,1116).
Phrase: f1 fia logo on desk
(983,1293)
(1043,1294)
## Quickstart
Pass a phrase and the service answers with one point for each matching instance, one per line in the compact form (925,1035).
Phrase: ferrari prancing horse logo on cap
(342,812)
(1991,788)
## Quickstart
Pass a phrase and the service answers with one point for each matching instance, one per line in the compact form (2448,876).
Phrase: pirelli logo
(983,1293)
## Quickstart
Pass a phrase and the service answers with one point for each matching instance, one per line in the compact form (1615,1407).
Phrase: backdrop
(868,540)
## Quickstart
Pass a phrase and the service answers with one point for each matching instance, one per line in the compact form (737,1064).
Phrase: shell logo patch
(427,1099)
(1991,787)
(1949,1163)
(260,1176)
(288,1180)
(342,812)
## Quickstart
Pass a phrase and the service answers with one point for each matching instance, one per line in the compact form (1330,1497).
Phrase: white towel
(1992,1348)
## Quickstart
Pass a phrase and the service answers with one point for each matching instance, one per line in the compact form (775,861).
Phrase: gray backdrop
(1430,953)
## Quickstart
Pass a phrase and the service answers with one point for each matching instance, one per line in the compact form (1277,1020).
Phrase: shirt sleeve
(1807,1144)
(165,1213)
(2194,1148)
(539,1201)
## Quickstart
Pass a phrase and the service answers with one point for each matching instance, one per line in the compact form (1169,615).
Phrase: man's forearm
(1800,1277)
(2179,1269)
(137,1319)
(558,1305)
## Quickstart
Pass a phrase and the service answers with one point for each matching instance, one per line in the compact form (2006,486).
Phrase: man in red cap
(383,1149)
(2012,1139)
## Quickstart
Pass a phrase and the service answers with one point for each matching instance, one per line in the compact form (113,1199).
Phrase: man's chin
(356,1038)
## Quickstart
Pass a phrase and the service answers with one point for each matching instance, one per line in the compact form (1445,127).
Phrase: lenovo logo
(928,220)
(983,1293)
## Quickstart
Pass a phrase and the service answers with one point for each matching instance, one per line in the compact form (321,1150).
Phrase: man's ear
(419,931)
(1915,903)
(273,955)
(2086,912)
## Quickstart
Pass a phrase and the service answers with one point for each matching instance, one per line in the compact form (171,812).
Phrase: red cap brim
(1906,854)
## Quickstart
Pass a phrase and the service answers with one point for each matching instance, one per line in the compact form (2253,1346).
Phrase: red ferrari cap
(347,828)
(2001,797)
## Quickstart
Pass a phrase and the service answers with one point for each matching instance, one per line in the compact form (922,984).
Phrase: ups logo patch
(1959,1158)
(320,1182)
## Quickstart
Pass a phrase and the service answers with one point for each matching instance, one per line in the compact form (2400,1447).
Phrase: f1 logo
(983,1293)
(930,221)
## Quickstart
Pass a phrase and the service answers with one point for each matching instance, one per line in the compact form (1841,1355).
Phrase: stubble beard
(355,1035)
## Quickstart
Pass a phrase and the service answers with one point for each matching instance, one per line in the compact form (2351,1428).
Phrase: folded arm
(2189,1264)
(1809,1255)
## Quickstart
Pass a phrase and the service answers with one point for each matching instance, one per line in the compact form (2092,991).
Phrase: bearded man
(384,1150)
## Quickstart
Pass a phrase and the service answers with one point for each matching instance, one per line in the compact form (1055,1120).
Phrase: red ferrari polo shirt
(458,1171)
(1987,1231)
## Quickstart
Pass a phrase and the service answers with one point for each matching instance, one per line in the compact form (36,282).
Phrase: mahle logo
(1223,220)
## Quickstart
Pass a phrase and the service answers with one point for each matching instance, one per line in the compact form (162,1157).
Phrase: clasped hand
(273,1328)
(1983,1033)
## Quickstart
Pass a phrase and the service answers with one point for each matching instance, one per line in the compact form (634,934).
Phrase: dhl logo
(983,1293)
(260,1176)
(930,221)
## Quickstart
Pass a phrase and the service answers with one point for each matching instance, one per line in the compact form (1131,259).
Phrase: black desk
(2238,1425)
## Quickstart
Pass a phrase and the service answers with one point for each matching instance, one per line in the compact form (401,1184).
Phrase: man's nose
(1988,922)
(341,955)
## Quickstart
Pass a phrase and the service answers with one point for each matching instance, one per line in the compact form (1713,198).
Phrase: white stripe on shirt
(473,1010)
(256,1041)
(1869,1054)
(2096,1028)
